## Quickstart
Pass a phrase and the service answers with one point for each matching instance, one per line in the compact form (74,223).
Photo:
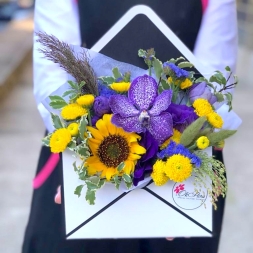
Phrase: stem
(89,118)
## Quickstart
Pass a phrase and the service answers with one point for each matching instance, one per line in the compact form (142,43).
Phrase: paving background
(21,126)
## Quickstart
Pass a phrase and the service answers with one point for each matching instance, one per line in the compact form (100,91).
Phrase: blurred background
(21,130)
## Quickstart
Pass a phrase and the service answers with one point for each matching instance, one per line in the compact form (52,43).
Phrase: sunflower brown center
(113,150)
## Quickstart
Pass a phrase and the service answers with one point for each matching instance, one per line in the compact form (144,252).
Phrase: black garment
(44,233)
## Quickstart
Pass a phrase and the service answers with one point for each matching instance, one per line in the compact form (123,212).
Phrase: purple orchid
(143,109)
(144,164)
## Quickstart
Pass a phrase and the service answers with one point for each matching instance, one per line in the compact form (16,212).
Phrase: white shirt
(216,44)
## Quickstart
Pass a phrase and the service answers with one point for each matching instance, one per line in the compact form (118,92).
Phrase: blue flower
(178,72)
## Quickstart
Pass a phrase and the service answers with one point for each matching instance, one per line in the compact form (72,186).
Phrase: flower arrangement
(124,129)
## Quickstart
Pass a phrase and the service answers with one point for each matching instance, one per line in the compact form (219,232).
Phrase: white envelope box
(173,210)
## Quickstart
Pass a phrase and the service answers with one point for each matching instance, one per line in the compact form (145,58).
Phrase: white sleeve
(216,45)
(59,18)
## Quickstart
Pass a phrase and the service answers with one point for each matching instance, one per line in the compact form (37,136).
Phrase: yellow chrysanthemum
(202,107)
(59,140)
(111,146)
(186,84)
(215,120)
(175,137)
(158,174)
(72,111)
(85,100)
(178,168)
(73,129)
(120,87)
(170,81)
(202,142)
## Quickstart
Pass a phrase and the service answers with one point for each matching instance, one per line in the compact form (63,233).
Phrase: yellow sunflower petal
(133,157)
(95,133)
(129,167)
(101,126)
(137,149)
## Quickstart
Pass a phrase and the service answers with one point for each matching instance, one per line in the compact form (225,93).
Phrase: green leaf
(73,97)
(46,140)
(57,104)
(227,68)
(82,84)
(142,53)
(75,168)
(129,185)
(216,137)
(116,73)
(165,85)
(219,97)
(185,64)
(121,166)
(158,67)
(82,174)
(127,178)
(78,190)
(68,92)
(116,181)
(200,79)
(83,127)
(91,186)
(101,183)
(73,85)
(72,145)
(82,151)
(127,77)
(56,121)
(107,79)
(56,98)
(90,197)
(191,132)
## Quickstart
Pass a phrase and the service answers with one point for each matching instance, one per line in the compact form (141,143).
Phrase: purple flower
(101,106)
(182,116)
(144,164)
(178,72)
(143,109)
(201,90)
(105,91)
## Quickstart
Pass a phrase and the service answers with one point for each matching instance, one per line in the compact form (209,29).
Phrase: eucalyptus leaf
(219,97)
(78,190)
(57,123)
(200,79)
(227,68)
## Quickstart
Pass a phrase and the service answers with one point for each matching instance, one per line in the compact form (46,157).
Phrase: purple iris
(144,164)
(182,116)
(201,90)
(143,109)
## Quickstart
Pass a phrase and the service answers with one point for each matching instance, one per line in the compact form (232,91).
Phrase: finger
(169,238)
(57,198)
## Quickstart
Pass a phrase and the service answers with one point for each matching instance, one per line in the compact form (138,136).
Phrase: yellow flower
(120,87)
(170,81)
(158,174)
(178,168)
(186,84)
(202,107)
(73,129)
(215,120)
(59,140)
(111,146)
(175,137)
(85,100)
(72,111)
(202,142)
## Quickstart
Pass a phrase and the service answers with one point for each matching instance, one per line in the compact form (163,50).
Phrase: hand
(57,197)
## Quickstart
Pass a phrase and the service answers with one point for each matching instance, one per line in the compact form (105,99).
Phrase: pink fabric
(204,5)
(46,171)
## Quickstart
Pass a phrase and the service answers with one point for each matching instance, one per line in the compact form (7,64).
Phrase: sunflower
(111,146)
